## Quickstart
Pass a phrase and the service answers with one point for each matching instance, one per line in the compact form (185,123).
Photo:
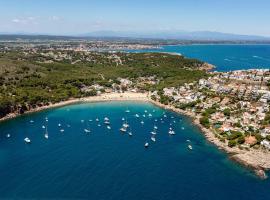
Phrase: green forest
(27,81)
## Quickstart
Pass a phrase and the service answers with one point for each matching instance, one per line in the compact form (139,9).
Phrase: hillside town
(234,105)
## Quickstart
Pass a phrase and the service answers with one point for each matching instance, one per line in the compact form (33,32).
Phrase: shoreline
(257,160)
(128,96)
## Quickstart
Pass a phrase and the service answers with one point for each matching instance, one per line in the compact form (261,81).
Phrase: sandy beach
(257,160)
(128,96)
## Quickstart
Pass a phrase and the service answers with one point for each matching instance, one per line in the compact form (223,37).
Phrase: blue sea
(106,164)
(224,57)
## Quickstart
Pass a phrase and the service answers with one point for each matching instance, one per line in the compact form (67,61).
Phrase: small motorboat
(150,115)
(46,135)
(27,140)
(82,121)
(87,130)
(142,122)
(62,130)
(68,126)
(137,115)
(99,125)
(108,127)
(155,120)
(146,145)
(155,127)
(90,120)
(145,111)
(125,125)
(106,119)
(123,119)
(183,128)
(127,111)
(153,139)
(123,129)
(8,135)
(190,147)
(188,140)
(107,122)
(31,121)
(59,125)
(43,127)
(153,132)
(143,115)
(130,134)
(97,119)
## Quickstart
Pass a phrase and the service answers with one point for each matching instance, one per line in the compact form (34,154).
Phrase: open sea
(106,164)
(225,57)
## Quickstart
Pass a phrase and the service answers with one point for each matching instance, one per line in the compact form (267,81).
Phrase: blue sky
(81,16)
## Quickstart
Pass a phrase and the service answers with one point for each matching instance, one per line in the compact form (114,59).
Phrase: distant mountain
(205,36)
(179,35)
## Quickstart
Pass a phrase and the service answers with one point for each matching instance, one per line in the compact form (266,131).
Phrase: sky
(72,17)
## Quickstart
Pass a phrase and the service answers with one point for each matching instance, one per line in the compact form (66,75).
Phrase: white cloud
(16,20)
(25,20)
(54,18)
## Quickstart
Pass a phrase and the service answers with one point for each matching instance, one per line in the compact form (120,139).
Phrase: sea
(226,57)
(73,163)
(104,164)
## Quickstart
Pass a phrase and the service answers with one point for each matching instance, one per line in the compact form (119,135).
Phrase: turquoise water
(106,164)
(225,57)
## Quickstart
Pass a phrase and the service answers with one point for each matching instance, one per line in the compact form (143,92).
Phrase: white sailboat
(126,125)
(146,145)
(171,132)
(123,129)
(46,135)
(153,132)
(27,140)
(153,139)
(87,130)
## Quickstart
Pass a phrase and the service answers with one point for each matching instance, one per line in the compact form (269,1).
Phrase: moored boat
(27,140)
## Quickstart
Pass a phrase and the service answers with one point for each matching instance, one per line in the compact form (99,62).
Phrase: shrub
(205,121)
(232,143)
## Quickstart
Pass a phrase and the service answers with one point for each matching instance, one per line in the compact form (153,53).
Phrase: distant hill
(179,35)
(175,36)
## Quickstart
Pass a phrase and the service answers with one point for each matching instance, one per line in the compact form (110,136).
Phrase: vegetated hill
(28,80)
